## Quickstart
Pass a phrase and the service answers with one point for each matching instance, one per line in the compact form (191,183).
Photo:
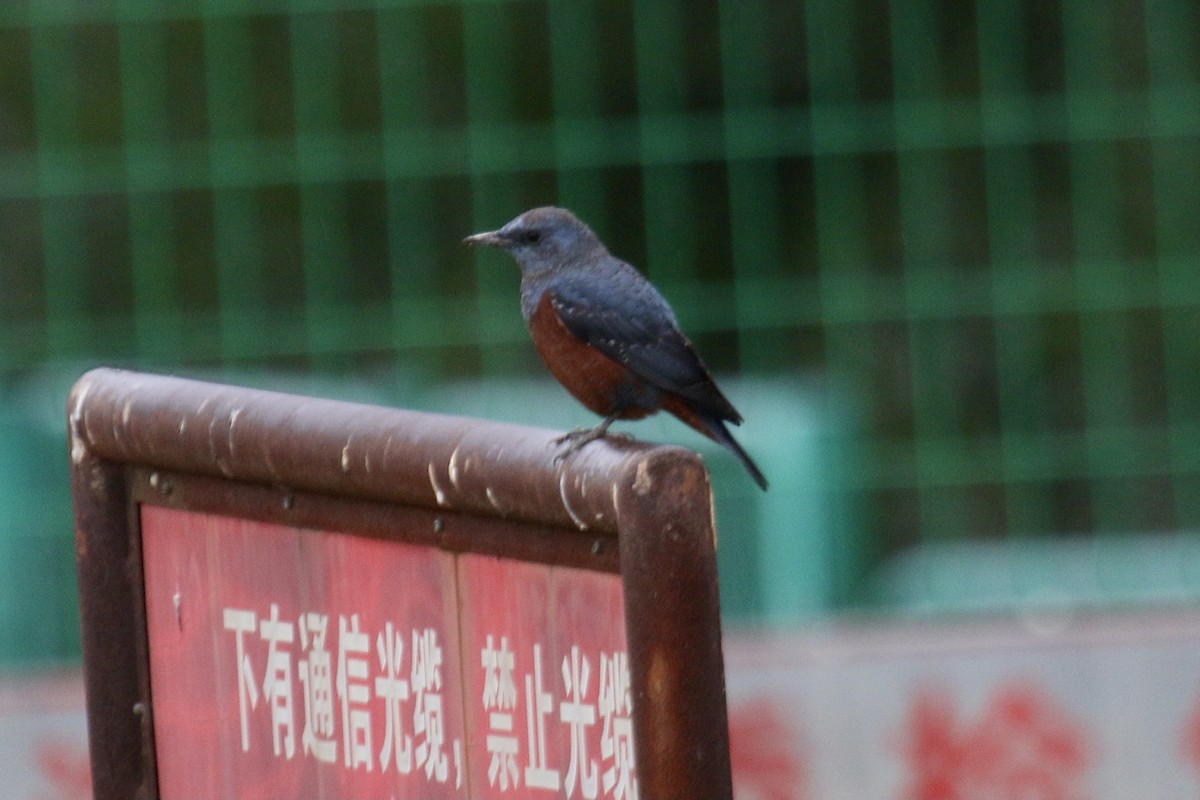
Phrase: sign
(318,599)
(332,658)
(1055,703)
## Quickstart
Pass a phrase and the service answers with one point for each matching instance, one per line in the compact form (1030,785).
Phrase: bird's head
(542,238)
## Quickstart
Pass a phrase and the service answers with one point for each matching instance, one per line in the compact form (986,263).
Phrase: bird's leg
(581,436)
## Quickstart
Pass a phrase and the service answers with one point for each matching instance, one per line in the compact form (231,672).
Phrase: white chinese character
(578,715)
(391,689)
(538,705)
(500,698)
(242,622)
(316,673)
(427,704)
(458,763)
(277,683)
(354,647)
(616,737)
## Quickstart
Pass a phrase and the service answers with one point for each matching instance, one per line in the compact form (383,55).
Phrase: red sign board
(283,659)
(286,597)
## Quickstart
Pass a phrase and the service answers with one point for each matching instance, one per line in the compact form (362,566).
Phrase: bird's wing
(633,325)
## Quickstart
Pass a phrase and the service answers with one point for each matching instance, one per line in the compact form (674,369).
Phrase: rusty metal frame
(641,511)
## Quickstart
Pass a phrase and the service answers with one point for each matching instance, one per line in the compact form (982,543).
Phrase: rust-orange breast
(592,377)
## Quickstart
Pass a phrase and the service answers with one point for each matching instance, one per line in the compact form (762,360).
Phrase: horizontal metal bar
(427,460)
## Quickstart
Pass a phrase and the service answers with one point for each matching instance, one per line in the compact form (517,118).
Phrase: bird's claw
(575,440)
(580,437)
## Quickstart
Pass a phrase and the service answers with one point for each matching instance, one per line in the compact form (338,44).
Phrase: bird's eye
(532,237)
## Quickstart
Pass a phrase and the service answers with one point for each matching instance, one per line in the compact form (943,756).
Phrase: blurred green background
(948,249)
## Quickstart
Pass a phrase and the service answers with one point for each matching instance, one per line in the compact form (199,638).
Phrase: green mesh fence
(979,221)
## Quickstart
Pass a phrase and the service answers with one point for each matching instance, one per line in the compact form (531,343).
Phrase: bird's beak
(489,239)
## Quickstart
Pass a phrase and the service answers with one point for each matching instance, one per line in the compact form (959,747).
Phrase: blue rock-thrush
(606,333)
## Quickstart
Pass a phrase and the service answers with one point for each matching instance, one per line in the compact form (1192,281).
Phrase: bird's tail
(716,430)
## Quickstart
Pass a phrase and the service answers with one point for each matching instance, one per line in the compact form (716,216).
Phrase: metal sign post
(291,597)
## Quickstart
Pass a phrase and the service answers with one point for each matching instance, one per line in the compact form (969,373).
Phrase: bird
(607,334)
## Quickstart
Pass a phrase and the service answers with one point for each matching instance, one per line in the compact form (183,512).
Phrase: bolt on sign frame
(287,596)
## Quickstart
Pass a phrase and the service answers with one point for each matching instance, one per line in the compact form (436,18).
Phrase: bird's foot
(575,440)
